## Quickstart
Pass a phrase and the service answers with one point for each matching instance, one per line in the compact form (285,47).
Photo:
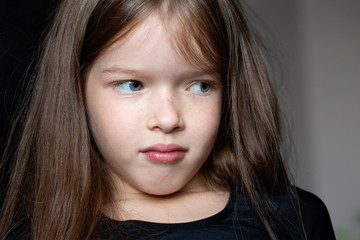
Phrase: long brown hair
(59,182)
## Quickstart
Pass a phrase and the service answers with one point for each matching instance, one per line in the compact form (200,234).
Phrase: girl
(154,119)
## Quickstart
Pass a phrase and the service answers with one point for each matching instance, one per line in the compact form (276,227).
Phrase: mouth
(162,153)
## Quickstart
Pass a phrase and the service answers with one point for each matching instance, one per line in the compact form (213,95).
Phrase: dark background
(318,44)
(23,24)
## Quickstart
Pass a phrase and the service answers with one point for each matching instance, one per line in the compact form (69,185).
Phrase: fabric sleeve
(315,216)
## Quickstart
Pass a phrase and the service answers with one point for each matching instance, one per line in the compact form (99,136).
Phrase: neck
(188,204)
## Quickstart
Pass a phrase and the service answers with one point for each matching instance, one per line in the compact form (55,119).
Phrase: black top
(238,220)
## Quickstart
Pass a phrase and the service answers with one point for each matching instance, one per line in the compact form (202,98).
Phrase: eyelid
(212,84)
(117,84)
(210,81)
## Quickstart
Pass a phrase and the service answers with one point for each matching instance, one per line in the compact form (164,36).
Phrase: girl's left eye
(129,86)
(200,87)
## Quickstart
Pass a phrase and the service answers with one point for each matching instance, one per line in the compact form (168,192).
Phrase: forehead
(148,51)
(158,31)
(145,35)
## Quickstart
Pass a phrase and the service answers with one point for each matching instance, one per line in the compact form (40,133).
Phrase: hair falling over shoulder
(59,182)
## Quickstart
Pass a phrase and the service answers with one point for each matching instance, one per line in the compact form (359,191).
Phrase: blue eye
(129,86)
(200,87)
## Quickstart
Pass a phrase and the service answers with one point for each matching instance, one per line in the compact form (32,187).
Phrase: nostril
(166,118)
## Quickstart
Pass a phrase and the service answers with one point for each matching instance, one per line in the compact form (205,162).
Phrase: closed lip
(164,153)
(164,148)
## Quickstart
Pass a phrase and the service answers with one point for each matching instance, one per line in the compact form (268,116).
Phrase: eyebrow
(140,73)
(117,69)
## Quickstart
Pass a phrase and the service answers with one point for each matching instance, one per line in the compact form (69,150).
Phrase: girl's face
(153,115)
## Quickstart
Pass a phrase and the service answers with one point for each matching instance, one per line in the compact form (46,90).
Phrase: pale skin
(141,93)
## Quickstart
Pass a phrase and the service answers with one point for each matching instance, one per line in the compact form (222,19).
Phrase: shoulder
(315,216)
(292,213)
(306,211)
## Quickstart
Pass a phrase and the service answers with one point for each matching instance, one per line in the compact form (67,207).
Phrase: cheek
(205,120)
(112,126)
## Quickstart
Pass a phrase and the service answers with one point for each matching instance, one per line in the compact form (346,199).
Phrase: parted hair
(59,181)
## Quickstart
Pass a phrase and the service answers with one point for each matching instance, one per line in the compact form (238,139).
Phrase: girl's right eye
(129,86)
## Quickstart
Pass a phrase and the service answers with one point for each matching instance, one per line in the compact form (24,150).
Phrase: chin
(161,192)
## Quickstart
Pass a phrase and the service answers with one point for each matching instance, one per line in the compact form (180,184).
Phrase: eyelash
(209,87)
(121,85)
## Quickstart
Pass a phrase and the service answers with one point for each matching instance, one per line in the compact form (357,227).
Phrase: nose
(165,114)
